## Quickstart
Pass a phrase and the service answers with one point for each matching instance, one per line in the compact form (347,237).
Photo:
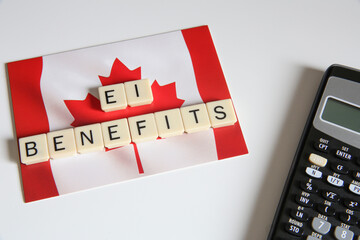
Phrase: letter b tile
(33,149)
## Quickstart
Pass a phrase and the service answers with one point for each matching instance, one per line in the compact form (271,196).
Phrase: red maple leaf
(89,111)
(120,73)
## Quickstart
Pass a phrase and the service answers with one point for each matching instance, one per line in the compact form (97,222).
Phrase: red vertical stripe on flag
(31,119)
(212,86)
(138,161)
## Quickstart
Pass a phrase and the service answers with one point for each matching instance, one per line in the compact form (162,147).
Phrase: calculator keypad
(323,199)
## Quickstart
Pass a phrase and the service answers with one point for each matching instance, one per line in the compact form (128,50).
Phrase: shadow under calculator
(283,154)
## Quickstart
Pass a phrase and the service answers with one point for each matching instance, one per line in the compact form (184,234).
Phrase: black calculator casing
(306,197)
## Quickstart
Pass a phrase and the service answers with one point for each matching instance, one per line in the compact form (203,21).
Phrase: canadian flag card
(60,91)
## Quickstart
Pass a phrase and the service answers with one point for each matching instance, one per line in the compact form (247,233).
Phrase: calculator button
(335,181)
(313,172)
(294,230)
(299,215)
(320,225)
(326,210)
(303,201)
(352,204)
(343,155)
(317,160)
(309,187)
(354,188)
(312,238)
(356,175)
(330,196)
(343,234)
(348,219)
(339,168)
(322,147)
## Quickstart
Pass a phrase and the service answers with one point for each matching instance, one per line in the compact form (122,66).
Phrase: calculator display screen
(342,114)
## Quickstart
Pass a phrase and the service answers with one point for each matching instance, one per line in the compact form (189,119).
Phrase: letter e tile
(61,143)
(116,133)
(112,97)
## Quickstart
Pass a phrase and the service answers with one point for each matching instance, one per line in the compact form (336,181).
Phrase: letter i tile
(169,123)
(138,92)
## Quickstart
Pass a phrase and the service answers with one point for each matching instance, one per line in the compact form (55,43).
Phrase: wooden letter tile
(116,133)
(138,92)
(195,118)
(221,113)
(112,97)
(143,128)
(33,149)
(88,138)
(169,123)
(61,143)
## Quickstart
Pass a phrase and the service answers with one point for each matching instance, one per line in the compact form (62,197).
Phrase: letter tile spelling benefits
(120,132)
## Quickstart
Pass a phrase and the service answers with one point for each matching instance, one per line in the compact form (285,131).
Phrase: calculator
(321,198)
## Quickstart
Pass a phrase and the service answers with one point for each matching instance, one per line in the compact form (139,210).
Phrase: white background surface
(273,54)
